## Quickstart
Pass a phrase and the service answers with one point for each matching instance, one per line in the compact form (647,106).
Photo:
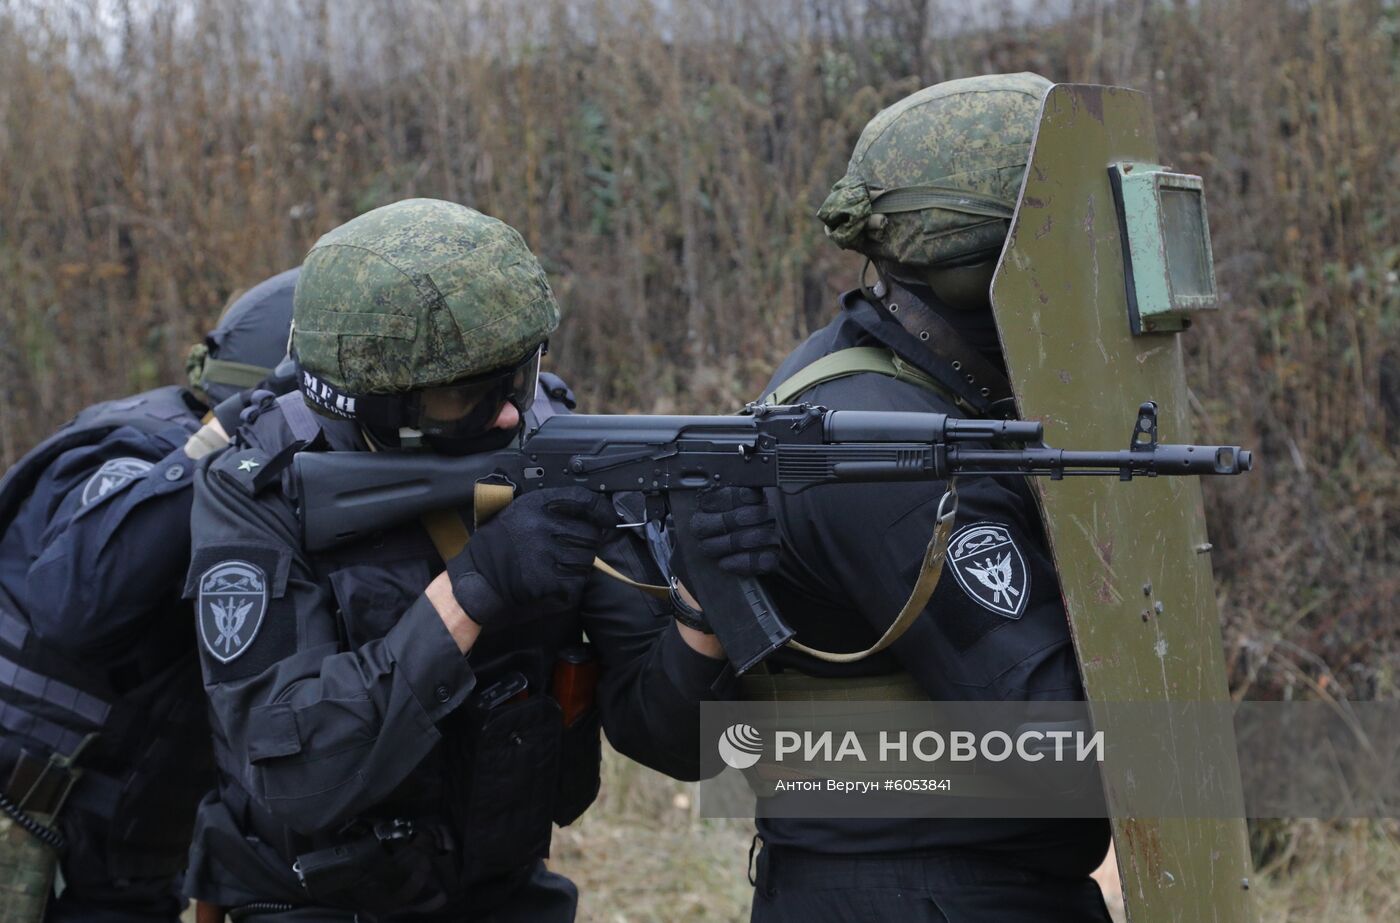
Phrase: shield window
(1168,269)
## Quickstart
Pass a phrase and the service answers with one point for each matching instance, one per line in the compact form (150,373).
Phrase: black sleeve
(995,626)
(115,541)
(319,733)
(653,682)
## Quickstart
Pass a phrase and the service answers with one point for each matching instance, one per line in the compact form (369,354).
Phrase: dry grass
(665,159)
(642,854)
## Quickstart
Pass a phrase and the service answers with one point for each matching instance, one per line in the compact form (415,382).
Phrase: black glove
(736,527)
(535,555)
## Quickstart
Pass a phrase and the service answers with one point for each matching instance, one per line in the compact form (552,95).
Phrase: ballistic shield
(1107,258)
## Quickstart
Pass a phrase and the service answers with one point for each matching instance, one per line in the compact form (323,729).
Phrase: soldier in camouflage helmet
(438,322)
(396,718)
(930,188)
(927,198)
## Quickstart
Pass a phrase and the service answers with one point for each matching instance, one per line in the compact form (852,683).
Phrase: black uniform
(854,550)
(94,638)
(358,749)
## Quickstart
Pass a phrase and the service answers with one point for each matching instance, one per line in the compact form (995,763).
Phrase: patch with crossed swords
(232,603)
(990,568)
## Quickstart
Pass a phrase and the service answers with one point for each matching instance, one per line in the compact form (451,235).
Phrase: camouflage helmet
(934,177)
(418,294)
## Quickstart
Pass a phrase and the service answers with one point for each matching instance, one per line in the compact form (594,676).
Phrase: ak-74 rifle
(669,459)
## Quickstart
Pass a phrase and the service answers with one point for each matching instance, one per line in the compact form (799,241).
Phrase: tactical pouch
(515,766)
(580,759)
(380,867)
(574,686)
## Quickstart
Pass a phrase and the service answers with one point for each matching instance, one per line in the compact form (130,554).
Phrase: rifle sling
(854,360)
(930,570)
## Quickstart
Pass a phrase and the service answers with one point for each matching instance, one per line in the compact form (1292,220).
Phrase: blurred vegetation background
(665,160)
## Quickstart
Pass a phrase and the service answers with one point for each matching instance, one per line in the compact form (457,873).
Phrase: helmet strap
(871,294)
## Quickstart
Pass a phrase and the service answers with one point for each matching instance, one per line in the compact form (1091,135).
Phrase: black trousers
(544,897)
(70,908)
(794,886)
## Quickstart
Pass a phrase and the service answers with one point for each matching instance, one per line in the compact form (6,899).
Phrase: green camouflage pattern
(1132,559)
(27,870)
(971,135)
(417,294)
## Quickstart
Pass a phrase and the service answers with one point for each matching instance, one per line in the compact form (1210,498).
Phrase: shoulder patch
(241,466)
(990,568)
(114,474)
(231,604)
(253,469)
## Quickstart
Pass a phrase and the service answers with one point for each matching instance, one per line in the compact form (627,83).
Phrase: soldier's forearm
(459,624)
(700,642)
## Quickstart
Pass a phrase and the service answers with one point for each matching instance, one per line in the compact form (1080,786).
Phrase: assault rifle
(669,459)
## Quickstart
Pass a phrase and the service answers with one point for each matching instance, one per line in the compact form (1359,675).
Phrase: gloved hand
(535,554)
(737,528)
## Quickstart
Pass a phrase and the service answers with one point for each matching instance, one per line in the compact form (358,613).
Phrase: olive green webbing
(761,685)
(448,532)
(206,440)
(651,589)
(881,361)
(852,361)
(919,198)
(233,374)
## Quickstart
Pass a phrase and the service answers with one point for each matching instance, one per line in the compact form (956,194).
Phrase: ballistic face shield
(1107,259)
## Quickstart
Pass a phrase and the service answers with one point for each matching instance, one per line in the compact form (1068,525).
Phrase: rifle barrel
(1159,459)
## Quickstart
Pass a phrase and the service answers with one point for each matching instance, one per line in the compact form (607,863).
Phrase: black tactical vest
(139,722)
(517,767)
(149,412)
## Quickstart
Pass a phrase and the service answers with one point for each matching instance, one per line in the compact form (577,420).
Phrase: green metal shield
(1132,558)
